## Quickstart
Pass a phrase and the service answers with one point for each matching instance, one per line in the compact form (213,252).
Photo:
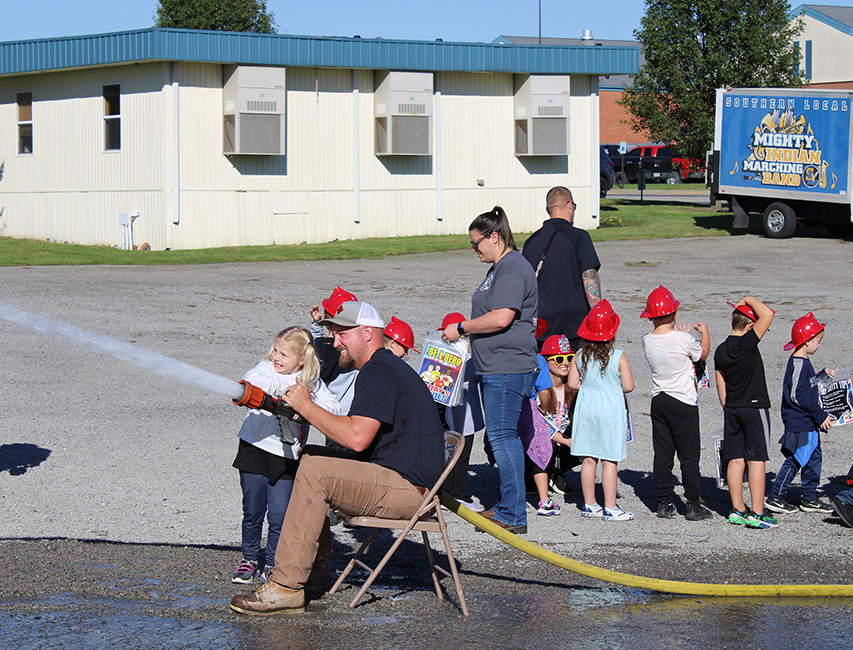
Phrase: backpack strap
(547,248)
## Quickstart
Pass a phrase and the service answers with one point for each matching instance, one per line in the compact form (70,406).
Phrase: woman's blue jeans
(503,396)
(259,499)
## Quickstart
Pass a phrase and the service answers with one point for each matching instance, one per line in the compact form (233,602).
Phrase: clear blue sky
(451,20)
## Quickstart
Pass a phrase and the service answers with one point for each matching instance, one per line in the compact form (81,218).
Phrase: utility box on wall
(253,107)
(403,110)
(541,115)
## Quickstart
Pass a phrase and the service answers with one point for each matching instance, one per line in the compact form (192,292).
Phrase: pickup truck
(659,162)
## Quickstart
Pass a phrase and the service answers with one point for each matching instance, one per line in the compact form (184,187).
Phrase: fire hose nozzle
(255,398)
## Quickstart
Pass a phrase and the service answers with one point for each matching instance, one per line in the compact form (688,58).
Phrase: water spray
(241,393)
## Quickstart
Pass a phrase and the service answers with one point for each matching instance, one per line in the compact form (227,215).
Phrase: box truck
(784,153)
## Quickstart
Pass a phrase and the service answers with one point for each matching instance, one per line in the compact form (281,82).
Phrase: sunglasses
(475,245)
(560,359)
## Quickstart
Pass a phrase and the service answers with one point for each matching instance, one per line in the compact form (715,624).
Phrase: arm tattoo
(592,286)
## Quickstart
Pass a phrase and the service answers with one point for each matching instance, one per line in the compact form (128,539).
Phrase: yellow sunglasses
(560,359)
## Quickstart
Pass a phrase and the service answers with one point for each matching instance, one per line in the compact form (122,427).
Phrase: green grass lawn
(620,219)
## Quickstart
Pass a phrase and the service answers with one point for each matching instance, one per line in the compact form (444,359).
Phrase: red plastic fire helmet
(660,302)
(805,328)
(600,323)
(451,318)
(339,296)
(746,310)
(556,344)
(401,332)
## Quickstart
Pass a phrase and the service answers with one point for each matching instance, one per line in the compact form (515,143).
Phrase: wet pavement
(97,595)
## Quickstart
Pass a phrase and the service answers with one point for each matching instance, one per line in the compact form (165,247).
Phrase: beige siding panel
(62,217)
(478,145)
(76,192)
(308,181)
(832,52)
(70,189)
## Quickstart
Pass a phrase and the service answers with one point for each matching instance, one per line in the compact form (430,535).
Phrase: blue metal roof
(159,44)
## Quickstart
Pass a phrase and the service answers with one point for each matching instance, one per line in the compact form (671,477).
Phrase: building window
(25,123)
(112,118)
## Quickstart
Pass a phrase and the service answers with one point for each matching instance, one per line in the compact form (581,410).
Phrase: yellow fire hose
(640,582)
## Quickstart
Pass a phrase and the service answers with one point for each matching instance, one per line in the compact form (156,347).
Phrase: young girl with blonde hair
(269,447)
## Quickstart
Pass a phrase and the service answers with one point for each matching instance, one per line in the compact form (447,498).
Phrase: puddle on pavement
(580,618)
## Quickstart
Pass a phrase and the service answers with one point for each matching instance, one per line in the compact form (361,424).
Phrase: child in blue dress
(602,376)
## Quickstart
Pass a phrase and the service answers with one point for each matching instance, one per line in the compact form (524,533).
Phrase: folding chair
(428,518)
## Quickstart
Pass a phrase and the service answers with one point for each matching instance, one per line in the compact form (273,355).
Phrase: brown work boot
(320,579)
(270,598)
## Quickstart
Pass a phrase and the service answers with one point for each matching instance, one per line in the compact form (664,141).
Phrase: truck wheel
(620,179)
(780,221)
(604,186)
(674,178)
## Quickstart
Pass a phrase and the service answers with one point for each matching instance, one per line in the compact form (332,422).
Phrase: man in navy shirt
(396,444)
(566,267)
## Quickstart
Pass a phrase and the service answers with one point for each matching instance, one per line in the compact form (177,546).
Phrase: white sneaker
(593,510)
(617,514)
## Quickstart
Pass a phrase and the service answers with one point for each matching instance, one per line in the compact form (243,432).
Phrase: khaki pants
(325,479)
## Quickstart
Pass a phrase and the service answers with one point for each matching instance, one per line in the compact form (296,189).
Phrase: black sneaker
(779,505)
(246,570)
(843,510)
(666,510)
(558,483)
(817,505)
(697,512)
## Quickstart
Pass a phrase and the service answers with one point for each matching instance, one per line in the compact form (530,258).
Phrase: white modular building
(191,139)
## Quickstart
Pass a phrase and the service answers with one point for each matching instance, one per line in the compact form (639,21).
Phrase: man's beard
(345,361)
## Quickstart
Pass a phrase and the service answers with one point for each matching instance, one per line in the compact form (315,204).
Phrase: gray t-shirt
(509,284)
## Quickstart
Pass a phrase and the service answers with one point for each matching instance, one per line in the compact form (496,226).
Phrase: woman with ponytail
(503,346)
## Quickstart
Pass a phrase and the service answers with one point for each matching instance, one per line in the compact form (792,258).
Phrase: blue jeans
(503,396)
(259,499)
(810,476)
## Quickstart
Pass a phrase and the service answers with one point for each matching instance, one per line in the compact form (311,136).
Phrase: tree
(693,47)
(217,15)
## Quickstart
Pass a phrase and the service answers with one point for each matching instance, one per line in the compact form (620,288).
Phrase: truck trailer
(785,153)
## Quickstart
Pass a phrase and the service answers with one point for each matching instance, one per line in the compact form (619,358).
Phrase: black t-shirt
(739,361)
(562,299)
(410,439)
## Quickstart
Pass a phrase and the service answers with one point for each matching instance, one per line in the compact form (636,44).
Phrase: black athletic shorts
(746,433)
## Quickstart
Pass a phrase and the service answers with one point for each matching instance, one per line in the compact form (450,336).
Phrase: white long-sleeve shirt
(263,429)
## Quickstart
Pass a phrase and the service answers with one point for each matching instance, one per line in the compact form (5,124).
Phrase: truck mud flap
(741,217)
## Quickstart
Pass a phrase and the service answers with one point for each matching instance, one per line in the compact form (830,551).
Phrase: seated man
(394,429)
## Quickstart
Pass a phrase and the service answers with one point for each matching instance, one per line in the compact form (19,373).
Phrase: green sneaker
(763,520)
(737,517)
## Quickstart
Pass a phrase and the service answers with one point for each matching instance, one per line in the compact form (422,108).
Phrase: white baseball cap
(353,313)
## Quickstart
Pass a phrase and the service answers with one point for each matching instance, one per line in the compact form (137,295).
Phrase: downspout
(356,152)
(439,202)
(176,146)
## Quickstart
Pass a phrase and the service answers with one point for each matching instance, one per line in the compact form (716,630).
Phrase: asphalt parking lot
(98,454)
